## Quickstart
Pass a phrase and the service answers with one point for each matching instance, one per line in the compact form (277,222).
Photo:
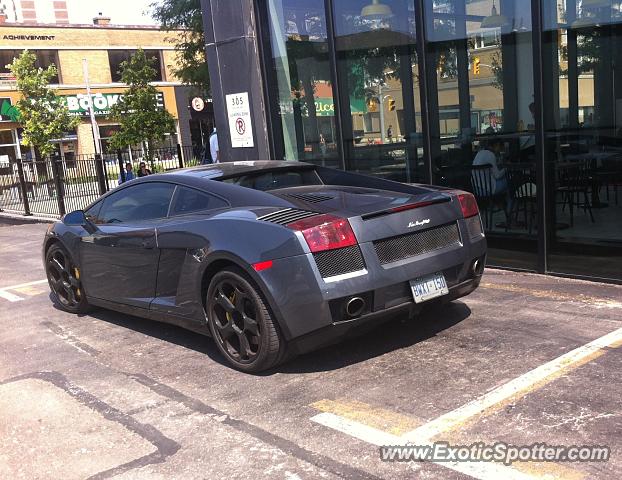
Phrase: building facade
(420,90)
(104,47)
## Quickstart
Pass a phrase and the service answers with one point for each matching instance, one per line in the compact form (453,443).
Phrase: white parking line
(483,471)
(489,402)
(11,297)
(20,285)
(516,388)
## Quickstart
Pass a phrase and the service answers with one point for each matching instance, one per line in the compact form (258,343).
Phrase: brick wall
(99,38)
(71,66)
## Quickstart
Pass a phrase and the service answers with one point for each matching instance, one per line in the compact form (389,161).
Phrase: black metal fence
(55,186)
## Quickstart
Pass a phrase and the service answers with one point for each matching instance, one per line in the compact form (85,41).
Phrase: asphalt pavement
(526,359)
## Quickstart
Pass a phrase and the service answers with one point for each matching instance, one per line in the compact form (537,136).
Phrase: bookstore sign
(79,105)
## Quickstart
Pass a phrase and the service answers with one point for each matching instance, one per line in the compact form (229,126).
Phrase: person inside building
(213,147)
(143,171)
(488,155)
(129,174)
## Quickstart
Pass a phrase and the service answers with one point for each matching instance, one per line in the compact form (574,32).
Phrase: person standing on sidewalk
(213,147)
(129,174)
(143,171)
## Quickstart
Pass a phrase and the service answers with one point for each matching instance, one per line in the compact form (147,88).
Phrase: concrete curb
(17,219)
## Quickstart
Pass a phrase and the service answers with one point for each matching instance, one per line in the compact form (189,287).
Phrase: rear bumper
(337,331)
(310,311)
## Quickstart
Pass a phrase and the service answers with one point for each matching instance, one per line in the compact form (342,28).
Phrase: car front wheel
(64,280)
(241,324)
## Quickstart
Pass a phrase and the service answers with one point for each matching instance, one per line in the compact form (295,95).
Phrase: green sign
(8,112)
(102,103)
(325,107)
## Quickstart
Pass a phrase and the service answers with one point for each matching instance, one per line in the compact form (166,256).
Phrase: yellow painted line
(31,290)
(379,418)
(538,470)
(11,297)
(552,295)
(549,471)
(514,389)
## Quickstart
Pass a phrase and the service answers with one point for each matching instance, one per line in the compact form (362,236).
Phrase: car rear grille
(419,243)
(289,215)
(474,226)
(331,263)
(310,197)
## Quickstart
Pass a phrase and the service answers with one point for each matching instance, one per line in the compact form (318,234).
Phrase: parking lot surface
(526,359)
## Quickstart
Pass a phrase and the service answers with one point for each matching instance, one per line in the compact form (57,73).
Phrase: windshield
(276,179)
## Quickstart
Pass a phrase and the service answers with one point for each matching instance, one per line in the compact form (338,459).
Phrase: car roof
(232,169)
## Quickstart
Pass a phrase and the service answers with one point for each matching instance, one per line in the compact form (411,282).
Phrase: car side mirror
(78,219)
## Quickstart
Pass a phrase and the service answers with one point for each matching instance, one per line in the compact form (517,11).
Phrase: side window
(189,200)
(92,213)
(146,201)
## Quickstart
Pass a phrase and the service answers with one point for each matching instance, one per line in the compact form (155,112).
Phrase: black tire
(64,280)
(241,324)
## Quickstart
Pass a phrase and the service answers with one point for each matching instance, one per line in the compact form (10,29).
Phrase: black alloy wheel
(240,322)
(64,280)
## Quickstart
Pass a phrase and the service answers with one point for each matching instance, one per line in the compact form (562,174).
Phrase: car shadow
(392,335)
(160,330)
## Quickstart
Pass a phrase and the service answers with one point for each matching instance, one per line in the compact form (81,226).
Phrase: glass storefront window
(8,148)
(303,76)
(480,66)
(476,69)
(376,59)
(583,127)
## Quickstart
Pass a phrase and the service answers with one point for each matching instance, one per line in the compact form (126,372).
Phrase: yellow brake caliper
(232,300)
(76,274)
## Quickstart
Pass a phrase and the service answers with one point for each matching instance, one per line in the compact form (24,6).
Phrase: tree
(141,119)
(185,17)
(42,113)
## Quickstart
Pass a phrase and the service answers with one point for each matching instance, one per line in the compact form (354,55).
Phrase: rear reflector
(468,204)
(262,265)
(325,232)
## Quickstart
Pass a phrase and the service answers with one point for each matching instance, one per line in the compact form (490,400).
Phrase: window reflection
(583,148)
(479,57)
(378,65)
(302,69)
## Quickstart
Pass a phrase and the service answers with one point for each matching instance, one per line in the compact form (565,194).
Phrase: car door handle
(148,244)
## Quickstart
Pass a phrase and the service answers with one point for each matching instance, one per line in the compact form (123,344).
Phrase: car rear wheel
(241,324)
(64,280)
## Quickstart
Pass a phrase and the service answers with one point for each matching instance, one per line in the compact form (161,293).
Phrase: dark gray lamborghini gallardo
(270,258)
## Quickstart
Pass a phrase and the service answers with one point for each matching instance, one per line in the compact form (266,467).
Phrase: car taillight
(468,204)
(325,232)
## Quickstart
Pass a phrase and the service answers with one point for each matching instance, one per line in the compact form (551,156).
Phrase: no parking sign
(240,124)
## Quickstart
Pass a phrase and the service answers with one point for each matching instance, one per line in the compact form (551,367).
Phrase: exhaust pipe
(478,267)
(475,266)
(355,307)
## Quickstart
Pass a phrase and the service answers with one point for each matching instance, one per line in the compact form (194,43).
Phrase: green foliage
(185,18)
(140,118)
(43,115)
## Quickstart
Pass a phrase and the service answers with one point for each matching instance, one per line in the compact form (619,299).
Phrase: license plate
(429,287)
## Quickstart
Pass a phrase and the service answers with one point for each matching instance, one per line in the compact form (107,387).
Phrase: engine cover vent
(286,216)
